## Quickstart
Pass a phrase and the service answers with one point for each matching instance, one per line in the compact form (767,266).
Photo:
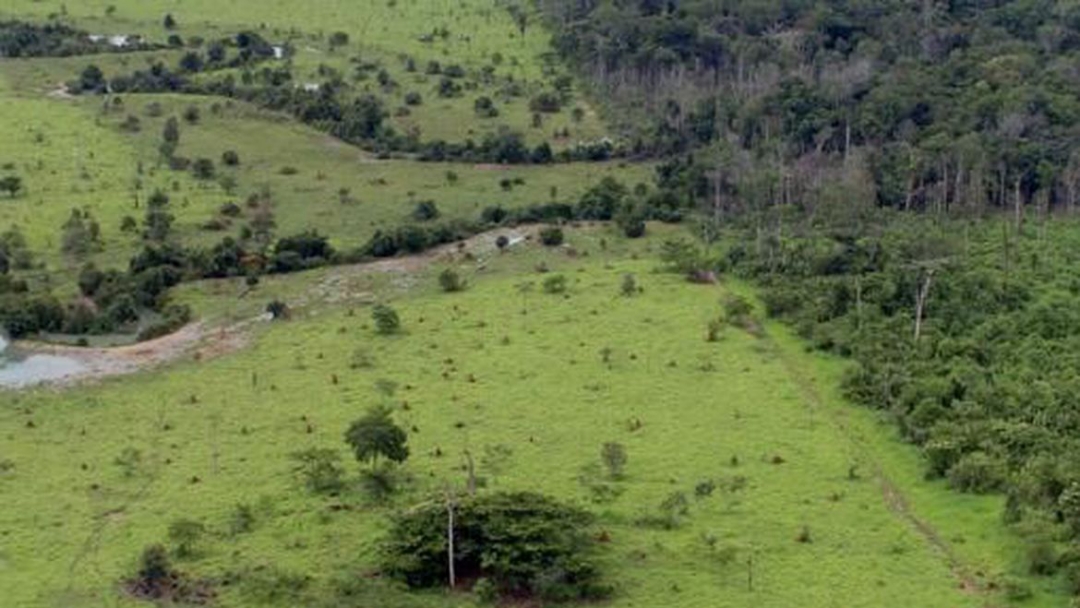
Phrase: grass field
(212,438)
(478,35)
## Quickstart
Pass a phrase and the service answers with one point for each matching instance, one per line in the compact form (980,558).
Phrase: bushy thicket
(521,544)
(986,381)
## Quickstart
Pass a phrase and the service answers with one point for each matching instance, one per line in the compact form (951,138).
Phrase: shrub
(526,544)
(386,319)
(203,168)
(450,281)
(546,101)
(413,98)
(230,158)
(555,284)
(278,309)
(319,469)
(502,242)
(629,285)
(551,236)
(425,211)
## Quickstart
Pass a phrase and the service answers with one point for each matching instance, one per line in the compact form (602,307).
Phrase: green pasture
(502,368)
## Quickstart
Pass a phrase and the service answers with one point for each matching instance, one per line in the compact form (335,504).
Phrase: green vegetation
(533,407)
(419,329)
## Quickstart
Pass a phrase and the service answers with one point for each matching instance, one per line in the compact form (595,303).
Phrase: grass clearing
(472,371)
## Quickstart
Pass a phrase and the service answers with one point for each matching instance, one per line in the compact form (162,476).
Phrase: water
(18,371)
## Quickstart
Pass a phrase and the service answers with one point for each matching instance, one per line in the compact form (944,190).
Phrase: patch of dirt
(61,92)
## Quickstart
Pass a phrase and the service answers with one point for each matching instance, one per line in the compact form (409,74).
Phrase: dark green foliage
(12,184)
(278,309)
(413,98)
(386,319)
(203,168)
(551,236)
(301,251)
(555,284)
(230,158)
(375,435)
(450,281)
(186,534)
(524,544)
(425,211)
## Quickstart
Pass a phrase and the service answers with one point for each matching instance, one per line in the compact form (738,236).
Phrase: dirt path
(891,493)
(201,341)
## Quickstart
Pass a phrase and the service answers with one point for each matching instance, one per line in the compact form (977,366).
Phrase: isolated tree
(169,22)
(11,184)
(386,319)
(230,158)
(375,435)
(629,285)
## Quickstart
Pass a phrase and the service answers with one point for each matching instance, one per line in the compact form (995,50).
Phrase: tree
(192,114)
(11,184)
(629,285)
(169,22)
(614,458)
(386,319)
(375,435)
(230,158)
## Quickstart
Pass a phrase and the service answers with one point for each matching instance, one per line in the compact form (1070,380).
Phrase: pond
(19,370)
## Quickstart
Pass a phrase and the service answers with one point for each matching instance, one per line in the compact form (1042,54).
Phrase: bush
(450,281)
(278,309)
(386,319)
(551,236)
(555,284)
(413,98)
(319,469)
(230,158)
(425,211)
(203,168)
(525,544)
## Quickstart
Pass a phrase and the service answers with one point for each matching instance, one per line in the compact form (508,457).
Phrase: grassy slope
(379,32)
(545,394)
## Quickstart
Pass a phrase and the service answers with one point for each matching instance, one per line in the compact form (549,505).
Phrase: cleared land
(495,370)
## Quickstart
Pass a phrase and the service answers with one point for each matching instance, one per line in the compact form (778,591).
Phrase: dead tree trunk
(921,294)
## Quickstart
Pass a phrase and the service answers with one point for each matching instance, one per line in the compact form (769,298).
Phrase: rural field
(518,378)
(432,303)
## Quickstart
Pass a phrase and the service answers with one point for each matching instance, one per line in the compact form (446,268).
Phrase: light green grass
(380,31)
(540,388)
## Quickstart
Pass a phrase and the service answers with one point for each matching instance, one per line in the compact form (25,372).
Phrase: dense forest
(958,106)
